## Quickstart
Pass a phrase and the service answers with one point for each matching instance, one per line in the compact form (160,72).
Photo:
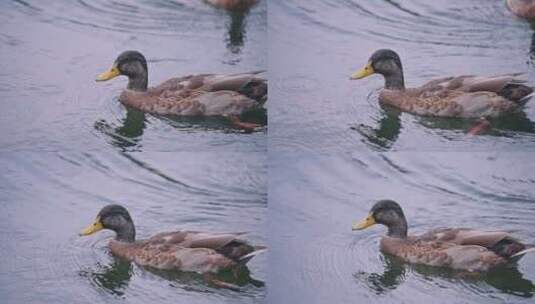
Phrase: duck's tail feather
(526,98)
(256,89)
(517,92)
(246,258)
(520,254)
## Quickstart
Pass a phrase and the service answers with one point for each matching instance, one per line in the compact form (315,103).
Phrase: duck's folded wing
(471,83)
(248,84)
(486,239)
(489,84)
(194,239)
(464,236)
(227,244)
(171,256)
(232,82)
(210,240)
(500,242)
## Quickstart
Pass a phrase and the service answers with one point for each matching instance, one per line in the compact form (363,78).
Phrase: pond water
(334,151)
(69,147)
(314,199)
(47,201)
(315,47)
(51,54)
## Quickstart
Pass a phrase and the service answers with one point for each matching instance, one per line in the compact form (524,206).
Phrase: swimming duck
(456,248)
(461,96)
(194,95)
(522,8)
(188,251)
(233,5)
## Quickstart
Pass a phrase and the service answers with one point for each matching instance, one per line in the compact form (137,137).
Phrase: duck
(233,5)
(228,96)
(522,8)
(185,251)
(461,249)
(466,96)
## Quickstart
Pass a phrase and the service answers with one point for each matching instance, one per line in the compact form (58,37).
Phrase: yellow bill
(109,74)
(96,226)
(367,222)
(365,72)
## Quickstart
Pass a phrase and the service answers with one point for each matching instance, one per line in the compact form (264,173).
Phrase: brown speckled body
(190,251)
(461,249)
(463,96)
(185,251)
(522,8)
(456,248)
(196,95)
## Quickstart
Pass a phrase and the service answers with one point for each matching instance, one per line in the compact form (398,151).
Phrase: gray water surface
(68,147)
(315,46)
(334,151)
(47,201)
(314,199)
(51,53)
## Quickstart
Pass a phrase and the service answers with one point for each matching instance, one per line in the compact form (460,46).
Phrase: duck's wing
(228,244)
(509,86)
(471,83)
(442,102)
(465,236)
(500,242)
(231,82)
(454,97)
(249,84)
(187,102)
(161,252)
(433,252)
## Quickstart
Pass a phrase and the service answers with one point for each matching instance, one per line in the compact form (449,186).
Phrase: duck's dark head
(388,213)
(116,218)
(387,63)
(131,64)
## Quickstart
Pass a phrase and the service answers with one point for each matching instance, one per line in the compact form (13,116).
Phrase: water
(314,48)
(334,151)
(48,200)
(52,53)
(69,147)
(313,200)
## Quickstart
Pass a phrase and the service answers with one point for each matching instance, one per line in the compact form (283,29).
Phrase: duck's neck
(138,82)
(394,80)
(126,233)
(398,230)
